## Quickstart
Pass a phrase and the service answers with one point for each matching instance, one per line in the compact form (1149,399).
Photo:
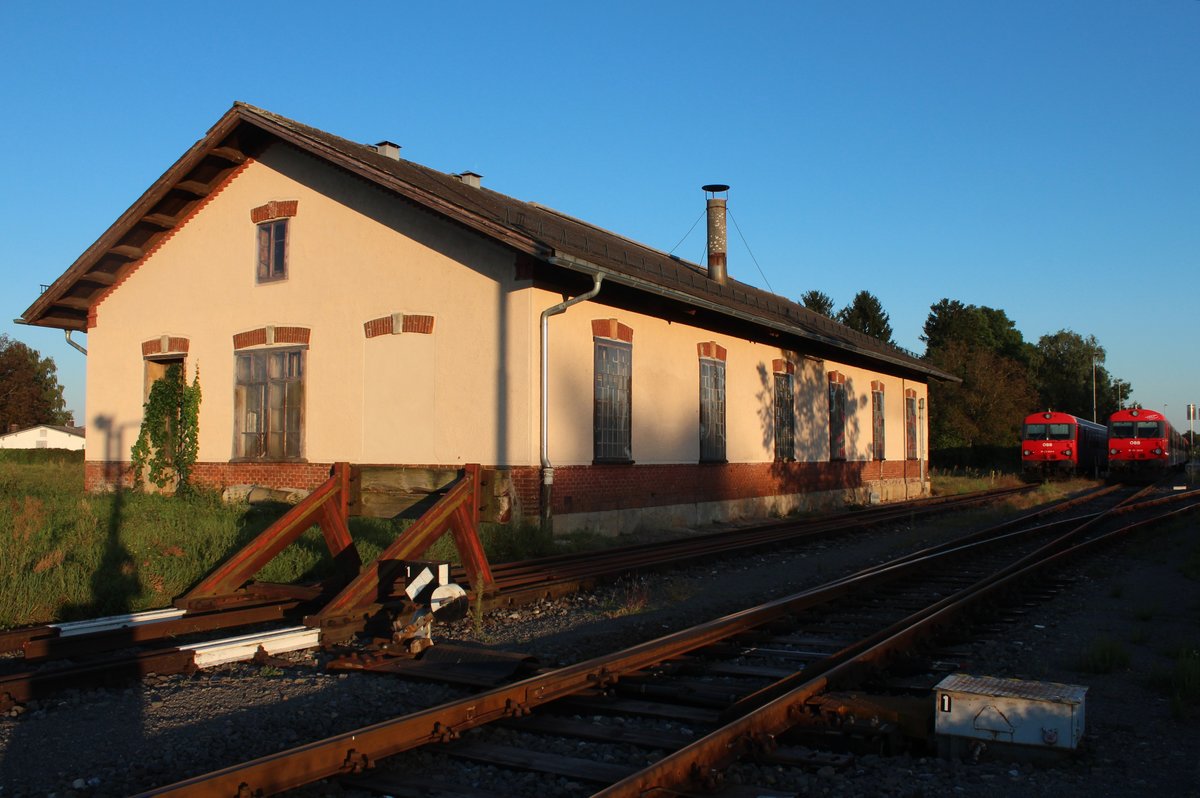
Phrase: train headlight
(1027,453)
(1158,450)
(1066,452)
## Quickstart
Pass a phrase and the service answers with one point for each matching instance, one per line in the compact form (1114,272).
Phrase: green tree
(1070,376)
(865,314)
(818,302)
(987,407)
(29,389)
(977,326)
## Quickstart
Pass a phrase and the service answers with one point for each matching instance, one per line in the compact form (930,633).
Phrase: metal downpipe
(547,492)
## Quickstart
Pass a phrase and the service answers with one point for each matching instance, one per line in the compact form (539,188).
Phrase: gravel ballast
(118,741)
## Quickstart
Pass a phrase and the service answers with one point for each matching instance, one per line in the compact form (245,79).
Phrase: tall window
(910,425)
(272,250)
(785,418)
(612,401)
(877,420)
(712,410)
(837,416)
(269,404)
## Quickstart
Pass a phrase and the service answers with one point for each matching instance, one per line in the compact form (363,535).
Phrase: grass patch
(629,597)
(1181,683)
(1104,655)
(69,555)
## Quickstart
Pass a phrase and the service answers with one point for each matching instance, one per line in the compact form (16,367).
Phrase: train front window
(1121,429)
(1035,432)
(1149,429)
(1060,432)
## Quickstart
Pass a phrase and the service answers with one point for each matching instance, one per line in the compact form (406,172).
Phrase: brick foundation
(586,489)
(99,475)
(597,488)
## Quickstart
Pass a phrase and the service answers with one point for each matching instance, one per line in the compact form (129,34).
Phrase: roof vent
(388,148)
(470,178)
(716,231)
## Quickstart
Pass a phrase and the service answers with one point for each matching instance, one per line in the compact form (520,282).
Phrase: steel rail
(357,750)
(700,764)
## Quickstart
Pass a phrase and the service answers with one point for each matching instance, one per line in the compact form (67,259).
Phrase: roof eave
(574,263)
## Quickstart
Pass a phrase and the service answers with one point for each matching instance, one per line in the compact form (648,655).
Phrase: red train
(1059,444)
(1142,443)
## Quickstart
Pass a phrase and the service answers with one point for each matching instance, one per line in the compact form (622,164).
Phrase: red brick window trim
(781,366)
(837,378)
(399,323)
(612,329)
(271,335)
(275,209)
(165,345)
(711,350)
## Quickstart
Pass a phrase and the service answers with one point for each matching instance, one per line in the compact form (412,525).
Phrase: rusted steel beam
(323,506)
(457,512)
(58,647)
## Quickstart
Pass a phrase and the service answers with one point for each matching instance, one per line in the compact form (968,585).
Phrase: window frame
(837,418)
(612,414)
(271,259)
(911,449)
(878,423)
(713,442)
(289,383)
(785,417)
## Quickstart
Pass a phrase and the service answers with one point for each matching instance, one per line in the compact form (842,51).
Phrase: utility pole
(1093,387)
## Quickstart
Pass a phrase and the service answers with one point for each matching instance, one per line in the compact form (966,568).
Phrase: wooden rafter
(230,154)
(128,251)
(165,221)
(194,187)
(100,278)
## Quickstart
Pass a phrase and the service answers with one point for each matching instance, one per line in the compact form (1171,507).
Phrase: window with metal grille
(910,427)
(877,424)
(272,250)
(612,401)
(269,405)
(785,418)
(837,421)
(712,411)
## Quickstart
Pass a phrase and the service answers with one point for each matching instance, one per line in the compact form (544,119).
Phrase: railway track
(742,682)
(56,656)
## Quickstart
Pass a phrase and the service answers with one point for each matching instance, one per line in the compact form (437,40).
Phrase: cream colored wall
(665,389)
(355,254)
(48,438)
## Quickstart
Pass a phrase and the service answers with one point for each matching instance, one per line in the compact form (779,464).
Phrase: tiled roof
(526,226)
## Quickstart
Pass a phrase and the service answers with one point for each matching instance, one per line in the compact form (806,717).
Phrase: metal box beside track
(1009,712)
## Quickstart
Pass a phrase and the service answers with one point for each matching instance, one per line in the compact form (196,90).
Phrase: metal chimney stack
(716,232)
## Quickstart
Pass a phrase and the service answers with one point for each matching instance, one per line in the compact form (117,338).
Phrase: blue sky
(1040,156)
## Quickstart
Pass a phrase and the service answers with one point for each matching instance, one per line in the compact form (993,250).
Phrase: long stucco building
(343,304)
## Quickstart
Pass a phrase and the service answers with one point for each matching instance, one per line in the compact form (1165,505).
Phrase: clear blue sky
(1037,156)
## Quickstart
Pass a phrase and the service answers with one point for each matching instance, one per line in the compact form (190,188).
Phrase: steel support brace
(456,512)
(326,506)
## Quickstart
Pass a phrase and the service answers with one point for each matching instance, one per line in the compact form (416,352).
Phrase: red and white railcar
(1142,444)
(1059,444)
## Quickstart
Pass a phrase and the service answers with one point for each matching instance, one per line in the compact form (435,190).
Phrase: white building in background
(44,436)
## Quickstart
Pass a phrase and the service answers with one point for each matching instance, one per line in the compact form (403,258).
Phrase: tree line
(29,389)
(1004,377)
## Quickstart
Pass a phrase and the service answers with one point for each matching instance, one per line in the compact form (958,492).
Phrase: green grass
(1104,655)
(68,555)
(1181,682)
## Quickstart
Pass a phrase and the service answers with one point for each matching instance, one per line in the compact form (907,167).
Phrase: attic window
(272,221)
